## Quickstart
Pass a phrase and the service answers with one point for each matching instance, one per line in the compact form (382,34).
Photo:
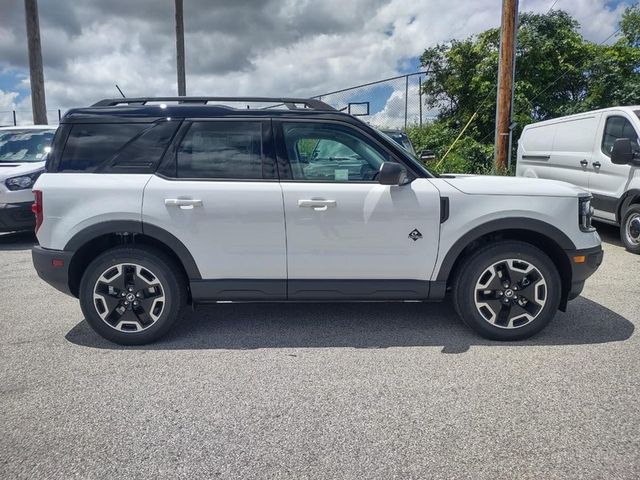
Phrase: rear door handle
(584,163)
(318,204)
(597,164)
(183,203)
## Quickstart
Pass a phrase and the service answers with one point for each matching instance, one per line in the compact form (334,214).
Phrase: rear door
(607,181)
(218,194)
(348,237)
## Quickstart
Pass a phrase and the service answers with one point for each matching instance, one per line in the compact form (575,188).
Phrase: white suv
(150,204)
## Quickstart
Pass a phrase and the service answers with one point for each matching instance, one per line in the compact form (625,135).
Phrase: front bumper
(55,273)
(582,270)
(16,217)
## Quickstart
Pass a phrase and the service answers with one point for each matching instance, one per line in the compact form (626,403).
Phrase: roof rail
(290,103)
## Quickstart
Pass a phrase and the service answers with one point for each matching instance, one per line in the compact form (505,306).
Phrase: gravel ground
(320,390)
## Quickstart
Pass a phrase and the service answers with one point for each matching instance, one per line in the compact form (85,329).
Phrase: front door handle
(183,203)
(318,204)
(584,163)
(597,164)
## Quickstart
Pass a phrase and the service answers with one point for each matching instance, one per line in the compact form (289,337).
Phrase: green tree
(558,73)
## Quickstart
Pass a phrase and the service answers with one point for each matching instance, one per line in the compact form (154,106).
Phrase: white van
(579,149)
(23,151)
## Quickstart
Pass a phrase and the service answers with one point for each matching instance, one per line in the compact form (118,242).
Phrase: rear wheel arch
(542,235)
(94,240)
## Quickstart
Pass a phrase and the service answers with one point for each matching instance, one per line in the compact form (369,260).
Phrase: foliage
(558,73)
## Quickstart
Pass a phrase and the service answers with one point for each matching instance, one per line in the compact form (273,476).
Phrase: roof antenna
(123,95)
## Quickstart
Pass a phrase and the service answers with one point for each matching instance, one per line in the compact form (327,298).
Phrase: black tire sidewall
(165,271)
(464,289)
(635,208)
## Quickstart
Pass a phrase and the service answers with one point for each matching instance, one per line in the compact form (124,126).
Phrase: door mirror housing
(622,153)
(392,173)
(427,155)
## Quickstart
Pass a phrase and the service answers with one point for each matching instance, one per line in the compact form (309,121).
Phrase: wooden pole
(506,71)
(182,86)
(38,103)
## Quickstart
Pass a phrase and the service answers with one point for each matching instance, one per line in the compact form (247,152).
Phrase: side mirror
(392,173)
(622,153)
(427,155)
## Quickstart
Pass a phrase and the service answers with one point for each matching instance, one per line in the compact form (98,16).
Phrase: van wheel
(132,296)
(509,290)
(630,228)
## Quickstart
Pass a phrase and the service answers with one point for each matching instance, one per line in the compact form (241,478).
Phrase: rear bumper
(54,273)
(16,216)
(583,270)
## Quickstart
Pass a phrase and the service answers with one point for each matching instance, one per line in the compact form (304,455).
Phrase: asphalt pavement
(320,390)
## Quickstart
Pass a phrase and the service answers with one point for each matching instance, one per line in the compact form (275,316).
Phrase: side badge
(415,234)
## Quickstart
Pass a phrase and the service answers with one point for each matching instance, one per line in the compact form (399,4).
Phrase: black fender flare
(132,226)
(625,200)
(502,224)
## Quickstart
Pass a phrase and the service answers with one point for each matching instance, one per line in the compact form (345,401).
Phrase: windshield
(401,139)
(25,145)
(410,154)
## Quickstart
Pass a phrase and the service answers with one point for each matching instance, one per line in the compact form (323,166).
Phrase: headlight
(585,214)
(22,182)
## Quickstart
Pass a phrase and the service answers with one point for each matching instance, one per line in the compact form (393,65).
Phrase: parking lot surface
(385,390)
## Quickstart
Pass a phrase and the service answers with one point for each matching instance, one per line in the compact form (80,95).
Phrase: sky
(247,47)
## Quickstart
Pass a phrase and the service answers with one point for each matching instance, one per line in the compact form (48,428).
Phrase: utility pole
(182,86)
(506,73)
(38,104)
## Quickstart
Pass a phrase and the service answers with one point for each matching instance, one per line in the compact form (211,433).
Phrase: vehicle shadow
(609,233)
(17,241)
(245,326)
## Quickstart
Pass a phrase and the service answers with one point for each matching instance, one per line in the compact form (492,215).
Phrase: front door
(348,236)
(220,197)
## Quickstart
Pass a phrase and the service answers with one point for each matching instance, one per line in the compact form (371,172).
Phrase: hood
(15,169)
(523,186)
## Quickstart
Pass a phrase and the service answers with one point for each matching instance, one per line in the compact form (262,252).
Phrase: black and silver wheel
(132,296)
(630,228)
(507,291)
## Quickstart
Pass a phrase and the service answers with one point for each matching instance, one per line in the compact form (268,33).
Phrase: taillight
(37,208)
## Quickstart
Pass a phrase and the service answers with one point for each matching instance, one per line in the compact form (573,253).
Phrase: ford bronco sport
(148,204)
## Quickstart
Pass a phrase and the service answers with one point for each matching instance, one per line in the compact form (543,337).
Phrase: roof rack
(290,103)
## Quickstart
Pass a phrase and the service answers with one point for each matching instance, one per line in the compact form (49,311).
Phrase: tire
(533,294)
(630,228)
(122,277)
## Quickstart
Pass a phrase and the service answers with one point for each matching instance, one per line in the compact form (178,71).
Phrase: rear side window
(223,150)
(615,128)
(116,147)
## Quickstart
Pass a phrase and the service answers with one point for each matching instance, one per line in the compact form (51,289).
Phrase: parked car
(580,149)
(23,151)
(149,204)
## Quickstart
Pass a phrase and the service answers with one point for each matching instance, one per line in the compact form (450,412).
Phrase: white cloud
(236,47)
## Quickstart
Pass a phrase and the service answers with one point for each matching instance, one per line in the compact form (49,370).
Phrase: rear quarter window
(115,147)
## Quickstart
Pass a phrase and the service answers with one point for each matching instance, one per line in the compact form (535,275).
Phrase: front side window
(330,153)
(24,145)
(221,150)
(615,128)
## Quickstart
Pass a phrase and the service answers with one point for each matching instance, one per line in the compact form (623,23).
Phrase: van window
(618,127)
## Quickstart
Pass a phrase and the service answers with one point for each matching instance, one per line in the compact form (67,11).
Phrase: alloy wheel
(129,297)
(510,293)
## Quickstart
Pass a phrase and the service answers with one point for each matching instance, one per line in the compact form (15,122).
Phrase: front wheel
(132,296)
(509,290)
(630,228)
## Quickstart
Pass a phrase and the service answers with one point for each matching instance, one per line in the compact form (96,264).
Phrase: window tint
(90,145)
(221,150)
(618,127)
(142,154)
(24,145)
(330,153)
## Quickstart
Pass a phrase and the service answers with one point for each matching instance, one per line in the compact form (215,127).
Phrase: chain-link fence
(392,103)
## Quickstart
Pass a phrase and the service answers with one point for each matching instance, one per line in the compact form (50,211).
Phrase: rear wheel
(132,296)
(630,228)
(507,291)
